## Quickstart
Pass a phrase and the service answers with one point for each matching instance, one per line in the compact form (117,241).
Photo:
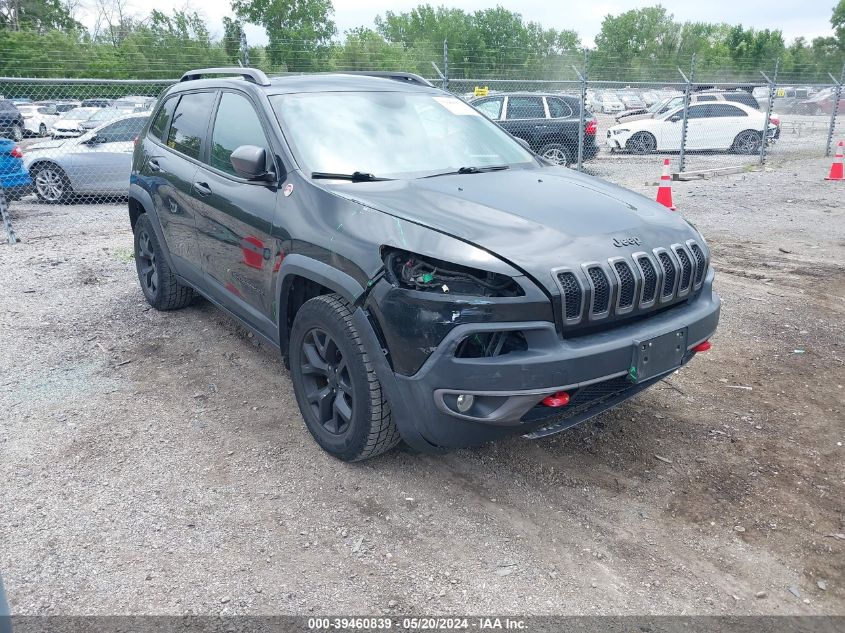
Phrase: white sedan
(710,126)
(37,119)
(68,124)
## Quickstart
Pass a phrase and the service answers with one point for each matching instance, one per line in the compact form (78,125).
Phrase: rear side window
(743,98)
(190,122)
(236,124)
(702,98)
(162,120)
(724,109)
(558,108)
(122,131)
(525,108)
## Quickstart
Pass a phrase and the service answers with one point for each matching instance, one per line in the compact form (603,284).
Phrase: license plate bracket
(658,355)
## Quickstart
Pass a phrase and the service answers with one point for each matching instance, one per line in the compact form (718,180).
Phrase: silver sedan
(96,163)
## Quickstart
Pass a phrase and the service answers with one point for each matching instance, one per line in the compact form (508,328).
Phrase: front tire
(641,143)
(161,288)
(338,392)
(747,142)
(17,133)
(51,183)
(42,130)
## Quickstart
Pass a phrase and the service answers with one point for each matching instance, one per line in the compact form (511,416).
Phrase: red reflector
(591,127)
(774,121)
(16,152)
(702,347)
(559,399)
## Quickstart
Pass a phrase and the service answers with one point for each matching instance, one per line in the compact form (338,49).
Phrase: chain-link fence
(73,137)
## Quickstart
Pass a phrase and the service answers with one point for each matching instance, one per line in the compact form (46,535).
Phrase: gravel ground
(157,463)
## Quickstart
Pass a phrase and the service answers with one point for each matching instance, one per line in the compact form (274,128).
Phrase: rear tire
(161,288)
(17,133)
(556,153)
(42,130)
(336,387)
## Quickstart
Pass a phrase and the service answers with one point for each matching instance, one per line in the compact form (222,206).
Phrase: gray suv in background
(425,276)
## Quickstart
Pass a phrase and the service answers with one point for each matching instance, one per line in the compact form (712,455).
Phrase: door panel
(173,173)
(235,218)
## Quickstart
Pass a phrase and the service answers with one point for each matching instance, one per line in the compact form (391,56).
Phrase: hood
(535,219)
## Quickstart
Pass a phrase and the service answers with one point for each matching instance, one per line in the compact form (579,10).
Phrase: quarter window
(190,121)
(236,124)
(491,108)
(558,108)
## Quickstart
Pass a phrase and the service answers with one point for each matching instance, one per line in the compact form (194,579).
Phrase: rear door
(105,160)
(526,119)
(235,216)
(179,133)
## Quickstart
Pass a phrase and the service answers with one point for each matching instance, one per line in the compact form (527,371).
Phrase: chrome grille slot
(669,274)
(649,278)
(572,294)
(700,262)
(601,290)
(686,269)
(627,284)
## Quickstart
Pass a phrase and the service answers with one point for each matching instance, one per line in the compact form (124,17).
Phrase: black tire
(337,390)
(642,143)
(556,153)
(17,133)
(51,183)
(161,288)
(747,142)
(42,130)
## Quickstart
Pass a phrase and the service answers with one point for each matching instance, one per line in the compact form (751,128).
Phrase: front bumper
(508,389)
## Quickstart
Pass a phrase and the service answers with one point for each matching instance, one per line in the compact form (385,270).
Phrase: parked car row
(64,118)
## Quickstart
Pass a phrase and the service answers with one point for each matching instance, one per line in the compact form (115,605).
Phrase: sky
(810,18)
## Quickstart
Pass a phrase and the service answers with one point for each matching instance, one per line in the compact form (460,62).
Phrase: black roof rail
(396,75)
(250,74)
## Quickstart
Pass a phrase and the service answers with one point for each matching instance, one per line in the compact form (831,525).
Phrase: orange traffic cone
(836,168)
(664,192)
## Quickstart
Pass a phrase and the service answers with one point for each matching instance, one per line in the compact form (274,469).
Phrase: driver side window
(492,108)
(236,124)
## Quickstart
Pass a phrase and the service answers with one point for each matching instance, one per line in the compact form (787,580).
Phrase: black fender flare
(141,196)
(297,265)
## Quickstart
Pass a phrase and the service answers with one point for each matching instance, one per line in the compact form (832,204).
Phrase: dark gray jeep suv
(425,276)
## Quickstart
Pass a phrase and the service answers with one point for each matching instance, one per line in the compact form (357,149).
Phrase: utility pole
(769,107)
(683,155)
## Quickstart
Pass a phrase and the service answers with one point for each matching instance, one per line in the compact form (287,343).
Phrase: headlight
(427,274)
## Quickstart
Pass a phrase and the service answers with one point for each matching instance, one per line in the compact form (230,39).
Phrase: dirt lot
(157,463)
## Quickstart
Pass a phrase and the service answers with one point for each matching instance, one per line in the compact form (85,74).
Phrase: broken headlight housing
(416,272)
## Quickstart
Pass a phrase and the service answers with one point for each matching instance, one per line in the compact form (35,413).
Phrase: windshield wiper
(356,176)
(471,170)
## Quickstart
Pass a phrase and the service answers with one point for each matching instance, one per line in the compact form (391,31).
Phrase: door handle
(202,188)
(154,166)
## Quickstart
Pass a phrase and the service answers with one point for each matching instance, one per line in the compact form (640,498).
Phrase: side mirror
(250,162)
(675,118)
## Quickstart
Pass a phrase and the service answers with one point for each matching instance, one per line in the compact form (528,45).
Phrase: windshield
(105,114)
(80,114)
(392,134)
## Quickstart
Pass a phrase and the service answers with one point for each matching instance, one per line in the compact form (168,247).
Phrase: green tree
(232,31)
(299,31)
(36,15)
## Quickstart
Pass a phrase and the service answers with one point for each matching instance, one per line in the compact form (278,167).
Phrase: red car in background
(821,103)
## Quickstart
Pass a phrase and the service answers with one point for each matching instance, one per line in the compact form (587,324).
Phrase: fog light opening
(559,399)
(702,347)
(465,402)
